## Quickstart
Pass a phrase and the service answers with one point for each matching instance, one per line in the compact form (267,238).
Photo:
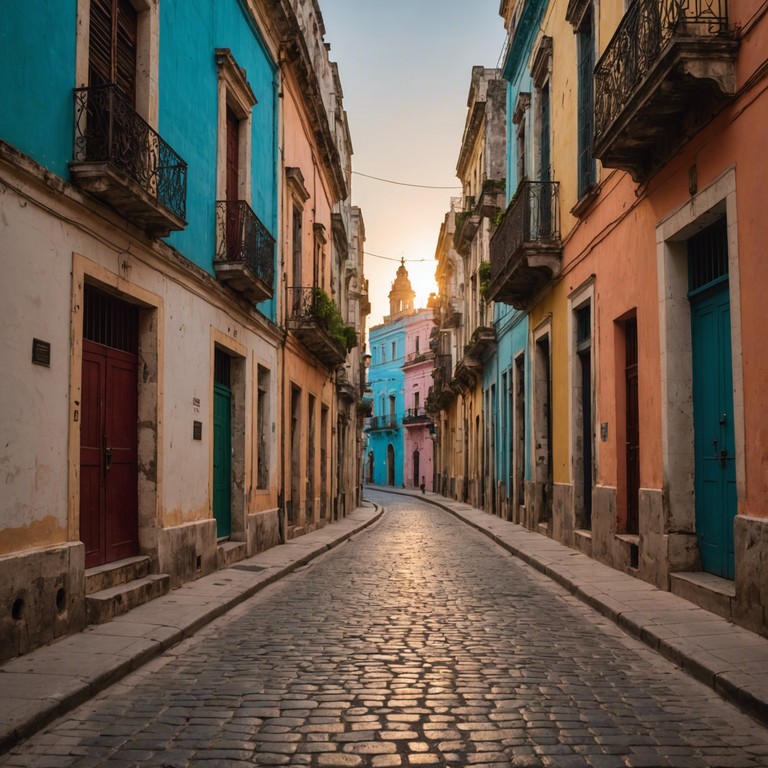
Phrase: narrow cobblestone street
(418,642)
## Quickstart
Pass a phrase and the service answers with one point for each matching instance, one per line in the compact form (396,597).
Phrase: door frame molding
(150,393)
(672,233)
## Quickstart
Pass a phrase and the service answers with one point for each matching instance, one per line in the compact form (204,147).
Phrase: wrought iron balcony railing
(526,246)
(645,29)
(109,131)
(483,339)
(416,416)
(313,318)
(642,63)
(380,423)
(533,216)
(414,358)
(245,250)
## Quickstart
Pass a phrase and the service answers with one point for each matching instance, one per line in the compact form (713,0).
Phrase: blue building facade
(183,106)
(509,372)
(386,380)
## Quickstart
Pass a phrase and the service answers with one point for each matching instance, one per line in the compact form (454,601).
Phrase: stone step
(710,592)
(114,601)
(119,572)
(229,552)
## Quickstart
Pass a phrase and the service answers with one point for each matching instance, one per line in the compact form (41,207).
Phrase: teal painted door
(222,459)
(715,465)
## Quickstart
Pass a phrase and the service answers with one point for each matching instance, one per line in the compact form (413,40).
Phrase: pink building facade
(418,448)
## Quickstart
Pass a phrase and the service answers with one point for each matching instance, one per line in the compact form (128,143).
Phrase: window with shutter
(586,66)
(112,45)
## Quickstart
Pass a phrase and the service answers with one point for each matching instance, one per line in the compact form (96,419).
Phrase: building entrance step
(229,552)
(706,590)
(106,604)
(115,573)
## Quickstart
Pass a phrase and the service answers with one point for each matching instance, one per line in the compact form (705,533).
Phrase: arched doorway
(416,469)
(390,464)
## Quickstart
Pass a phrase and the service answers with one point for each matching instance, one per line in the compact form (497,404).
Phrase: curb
(698,663)
(45,710)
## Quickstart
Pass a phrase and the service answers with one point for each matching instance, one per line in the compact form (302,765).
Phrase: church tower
(401,296)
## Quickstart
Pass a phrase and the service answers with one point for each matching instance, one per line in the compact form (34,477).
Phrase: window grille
(708,256)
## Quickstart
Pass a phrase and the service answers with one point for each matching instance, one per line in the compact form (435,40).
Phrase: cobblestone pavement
(419,642)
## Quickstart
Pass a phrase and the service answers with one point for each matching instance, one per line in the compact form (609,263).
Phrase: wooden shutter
(126,35)
(100,43)
(233,149)
(112,43)
(586,41)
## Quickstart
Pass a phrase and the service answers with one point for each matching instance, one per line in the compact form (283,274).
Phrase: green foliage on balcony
(484,273)
(327,314)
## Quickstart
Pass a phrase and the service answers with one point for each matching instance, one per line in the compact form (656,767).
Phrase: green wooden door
(715,465)
(222,459)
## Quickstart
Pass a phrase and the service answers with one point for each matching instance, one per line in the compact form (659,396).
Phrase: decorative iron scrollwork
(644,31)
(108,129)
(242,238)
(532,216)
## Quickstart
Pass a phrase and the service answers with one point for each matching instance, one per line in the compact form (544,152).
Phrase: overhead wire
(392,258)
(403,183)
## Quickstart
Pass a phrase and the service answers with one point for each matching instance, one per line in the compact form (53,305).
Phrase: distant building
(418,443)
(399,448)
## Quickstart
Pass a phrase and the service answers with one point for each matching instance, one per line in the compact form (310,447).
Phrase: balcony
(468,373)
(467,224)
(482,341)
(492,198)
(121,160)
(442,393)
(526,249)
(381,424)
(415,417)
(345,388)
(667,70)
(415,358)
(311,323)
(245,251)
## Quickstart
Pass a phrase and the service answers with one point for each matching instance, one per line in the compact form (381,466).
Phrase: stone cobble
(418,643)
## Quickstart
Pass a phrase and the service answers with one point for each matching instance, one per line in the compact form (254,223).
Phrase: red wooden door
(108,454)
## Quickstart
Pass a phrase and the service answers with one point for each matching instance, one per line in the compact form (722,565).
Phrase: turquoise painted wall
(386,378)
(37,67)
(511,340)
(190,31)
(37,64)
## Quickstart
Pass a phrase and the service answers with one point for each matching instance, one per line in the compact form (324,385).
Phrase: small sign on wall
(197,430)
(41,352)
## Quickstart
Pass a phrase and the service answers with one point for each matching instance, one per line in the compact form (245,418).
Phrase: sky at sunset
(405,68)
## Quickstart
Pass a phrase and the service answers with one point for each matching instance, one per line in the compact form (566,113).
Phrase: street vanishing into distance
(417,642)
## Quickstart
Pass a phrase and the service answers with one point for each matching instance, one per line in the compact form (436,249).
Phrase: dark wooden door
(222,445)
(632,427)
(108,454)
